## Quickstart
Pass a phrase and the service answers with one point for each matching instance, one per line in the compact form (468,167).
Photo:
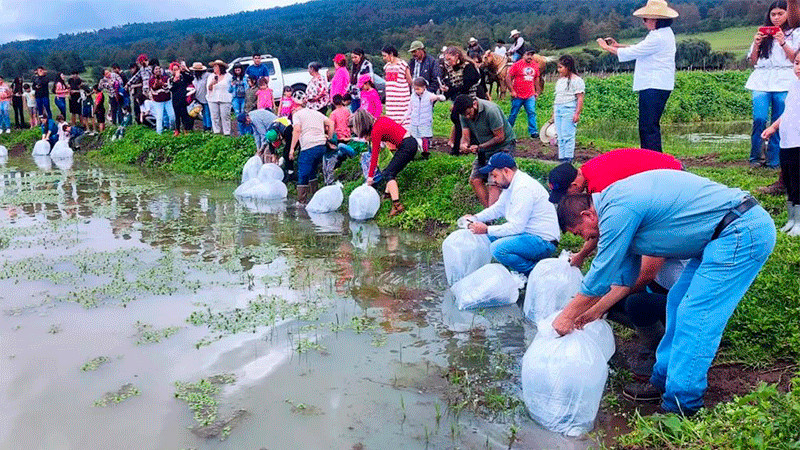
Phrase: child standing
(250,97)
(287,103)
(265,99)
(238,88)
(567,106)
(99,108)
(421,114)
(370,99)
(87,110)
(30,103)
(789,126)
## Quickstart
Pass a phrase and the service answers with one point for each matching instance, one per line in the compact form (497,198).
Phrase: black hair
(389,50)
(358,51)
(26,86)
(663,23)
(347,97)
(570,208)
(133,66)
(115,66)
(257,54)
(154,62)
(126,109)
(315,65)
(500,41)
(59,117)
(569,63)
(240,67)
(337,100)
(288,88)
(40,67)
(461,103)
(765,48)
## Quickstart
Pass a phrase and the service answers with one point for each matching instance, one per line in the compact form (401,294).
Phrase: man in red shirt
(523,79)
(600,172)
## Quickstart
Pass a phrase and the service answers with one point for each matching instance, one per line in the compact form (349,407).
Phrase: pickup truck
(297,79)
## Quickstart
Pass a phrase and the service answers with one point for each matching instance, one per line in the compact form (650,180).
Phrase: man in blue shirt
(724,233)
(257,70)
(49,130)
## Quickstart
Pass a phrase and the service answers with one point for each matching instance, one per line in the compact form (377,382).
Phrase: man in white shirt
(530,232)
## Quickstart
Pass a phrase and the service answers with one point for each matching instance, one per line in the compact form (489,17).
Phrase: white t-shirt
(670,272)
(655,60)
(500,50)
(219,93)
(30,99)
(312,127)
(790,120)
(567,92)
(774,74)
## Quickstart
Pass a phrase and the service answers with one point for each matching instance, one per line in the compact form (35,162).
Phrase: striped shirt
(398,93)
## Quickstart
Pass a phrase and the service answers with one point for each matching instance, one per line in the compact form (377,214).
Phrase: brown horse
(495,68)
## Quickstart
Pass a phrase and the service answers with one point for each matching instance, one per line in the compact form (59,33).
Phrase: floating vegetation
(304,409)
(55,329)
(202,400)
(112,398)
(146,334)
(306,345)
(95,363)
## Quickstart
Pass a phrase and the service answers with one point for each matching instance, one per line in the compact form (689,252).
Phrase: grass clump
(113,398)
(202,400)
(146,334)
(95,363)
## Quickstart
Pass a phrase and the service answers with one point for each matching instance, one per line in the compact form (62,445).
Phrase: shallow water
(337,334)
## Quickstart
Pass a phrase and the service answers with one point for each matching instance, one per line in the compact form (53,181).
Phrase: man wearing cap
(600,172)
(425,66)
(260,120)
(486,122)
(475,51)
(530,232)
(724,233)
(523,79)
(517,48)
(257,70)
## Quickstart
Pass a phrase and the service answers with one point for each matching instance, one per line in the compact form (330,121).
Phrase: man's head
(472,42)
(40,71)
(272,136)
(565,180)
(577,215)
(256,60)
(501,167)
(466,106)
(417,50)
(528,56)
(243,118)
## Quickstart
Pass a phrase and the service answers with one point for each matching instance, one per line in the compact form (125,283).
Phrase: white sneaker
(8,130)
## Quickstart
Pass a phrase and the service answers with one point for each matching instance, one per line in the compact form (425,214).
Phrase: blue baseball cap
(500,160)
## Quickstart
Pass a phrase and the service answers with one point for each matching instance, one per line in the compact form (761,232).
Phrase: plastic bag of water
(250,169)
(326,199)
(491,285)
(41,148)
(364,203)
(551,285)
(464,252)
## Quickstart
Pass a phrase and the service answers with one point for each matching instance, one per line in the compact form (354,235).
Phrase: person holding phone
(771,54)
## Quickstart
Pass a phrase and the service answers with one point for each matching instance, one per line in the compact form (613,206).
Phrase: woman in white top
(219,99)
(654,73)
(771,56)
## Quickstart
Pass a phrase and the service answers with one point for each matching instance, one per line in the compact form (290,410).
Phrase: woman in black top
(460,77)
(17,104)
(179,84)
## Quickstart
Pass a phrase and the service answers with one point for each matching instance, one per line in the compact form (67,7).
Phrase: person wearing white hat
(654,73)
(475,51)
(517,48)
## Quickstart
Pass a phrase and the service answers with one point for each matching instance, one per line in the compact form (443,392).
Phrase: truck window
(270,67)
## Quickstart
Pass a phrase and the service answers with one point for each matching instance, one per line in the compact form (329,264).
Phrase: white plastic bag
(551,285)
(603,336)
(61,150)
(3,150)
(464,252)
(266,190)
(270,171)
(364,203)
(563,379)
(491,285)
(326,199)
(41,148)
(251,167)
(245,186)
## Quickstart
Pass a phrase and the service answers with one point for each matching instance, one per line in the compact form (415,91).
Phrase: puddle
(193,321)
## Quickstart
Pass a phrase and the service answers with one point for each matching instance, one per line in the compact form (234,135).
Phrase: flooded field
(146,311)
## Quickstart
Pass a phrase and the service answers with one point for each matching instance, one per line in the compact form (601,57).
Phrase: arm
(408,78)
(519,208)
(498,138)
(650,45)
(510,81)
(787,49)
(771,129)
(579,108)
(329,128)
(296,129)
(465,138)
(471,77)
(376,150)
(588,248)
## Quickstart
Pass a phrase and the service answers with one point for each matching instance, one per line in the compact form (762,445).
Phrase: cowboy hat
(656,9)
(198,66)
(548,133)
(219,62)
(472,39)
(416,45)
(514,32)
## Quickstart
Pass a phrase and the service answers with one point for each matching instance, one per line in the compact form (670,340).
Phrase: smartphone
(609,41)
(769,31)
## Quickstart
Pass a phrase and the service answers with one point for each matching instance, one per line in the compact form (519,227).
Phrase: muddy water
(116,285)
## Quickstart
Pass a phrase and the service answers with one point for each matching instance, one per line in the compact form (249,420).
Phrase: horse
(495,68)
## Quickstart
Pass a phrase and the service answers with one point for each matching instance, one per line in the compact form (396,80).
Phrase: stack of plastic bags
(551,285)
(266,185)
(491,285)
(363,203)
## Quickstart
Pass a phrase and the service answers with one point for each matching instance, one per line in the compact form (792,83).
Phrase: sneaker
(642,392)
(534,135)
(8,130)
(176,133)
(397,208)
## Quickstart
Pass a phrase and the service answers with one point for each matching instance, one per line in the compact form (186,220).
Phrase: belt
(734,214)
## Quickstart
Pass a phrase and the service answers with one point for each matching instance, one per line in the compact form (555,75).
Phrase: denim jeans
(762,101)
(42,105)
(160,109)
(206,116)
(565,128)
(5,118)
(354,105)
(61,103)
(520,252)
(700,304)
(530,110)
(237,105)
(651,106)
(115,109)
(307,162)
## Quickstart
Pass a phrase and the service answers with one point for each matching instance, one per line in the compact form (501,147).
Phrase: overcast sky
(25,19)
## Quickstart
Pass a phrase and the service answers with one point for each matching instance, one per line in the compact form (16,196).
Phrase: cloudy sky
(24,19)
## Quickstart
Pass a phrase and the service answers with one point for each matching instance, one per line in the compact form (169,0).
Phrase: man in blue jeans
(723,232)
(523,79)
(530,232)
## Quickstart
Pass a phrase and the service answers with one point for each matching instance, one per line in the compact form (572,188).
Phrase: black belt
(734,214)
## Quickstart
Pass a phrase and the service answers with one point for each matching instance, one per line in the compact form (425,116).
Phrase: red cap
(141,58)
(339,58)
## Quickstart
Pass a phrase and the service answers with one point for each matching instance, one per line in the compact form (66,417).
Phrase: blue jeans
(237,105)
(5,118)
(307,163)
(354,105)
(160,109)
(530,110)
(520,252)
(761,109)
(651,106)
(206,116)
(565,128)
(700,304)
(346,151)
(42,105)
(61,103)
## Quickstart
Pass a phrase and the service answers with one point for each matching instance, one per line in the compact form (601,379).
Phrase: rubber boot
(795,231)
(651,335)
(642,362)
(302,195)
(312,187)
(790,212)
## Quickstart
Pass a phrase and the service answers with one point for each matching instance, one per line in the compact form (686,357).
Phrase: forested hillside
(321,28)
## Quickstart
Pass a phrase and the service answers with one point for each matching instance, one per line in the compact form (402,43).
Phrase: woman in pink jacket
(341,78)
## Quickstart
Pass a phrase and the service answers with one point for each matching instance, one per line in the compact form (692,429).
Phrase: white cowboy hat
(656,9)
(472,39)
(513,32)
(548,133)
